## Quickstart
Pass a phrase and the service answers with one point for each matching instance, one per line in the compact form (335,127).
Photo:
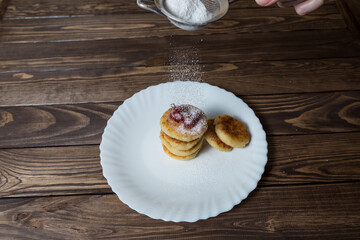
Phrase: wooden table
(65,66)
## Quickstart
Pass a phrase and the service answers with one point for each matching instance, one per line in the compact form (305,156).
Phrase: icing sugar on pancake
(184,122)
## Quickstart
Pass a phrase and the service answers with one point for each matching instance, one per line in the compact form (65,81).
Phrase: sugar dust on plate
(190,11)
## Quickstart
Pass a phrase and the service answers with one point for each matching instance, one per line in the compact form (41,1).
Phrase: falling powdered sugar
(185,68)
(185,64)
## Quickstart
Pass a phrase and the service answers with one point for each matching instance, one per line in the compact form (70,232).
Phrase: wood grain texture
(302,159)
(67,8)
(118,84)
(320,211)
(51,171)
(308,113)
(145,51)
(58,125)
(52,8)
(3,7)
(149,25)
(54,125)
(350,10)
(44,8)
(312,158)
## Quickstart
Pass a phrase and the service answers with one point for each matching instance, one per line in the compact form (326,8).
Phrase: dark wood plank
(292,212)
(246,78)
(53,8)
(58,125)
(145,51)
(308,113)
(51,171)
(54,125)
(3,7)
(312,158)
(351,12)
(44,8)
(150,25)
(299,159)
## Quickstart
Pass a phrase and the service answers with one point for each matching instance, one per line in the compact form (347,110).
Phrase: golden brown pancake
(180,153)
(184,158)
(213,139)
(231,131)
(178,144)
(178,130)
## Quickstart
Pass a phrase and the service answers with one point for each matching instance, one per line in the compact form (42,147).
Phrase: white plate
(152,183)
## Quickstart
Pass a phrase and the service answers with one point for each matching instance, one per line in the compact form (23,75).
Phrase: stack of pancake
(182,131)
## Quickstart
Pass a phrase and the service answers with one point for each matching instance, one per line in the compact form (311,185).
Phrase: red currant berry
(190,121)
(177,117)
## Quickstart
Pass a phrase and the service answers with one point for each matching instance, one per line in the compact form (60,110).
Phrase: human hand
(302,7)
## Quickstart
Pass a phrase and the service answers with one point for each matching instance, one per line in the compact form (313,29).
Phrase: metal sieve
(217,8)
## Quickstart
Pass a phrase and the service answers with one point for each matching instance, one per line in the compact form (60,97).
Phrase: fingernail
(308,6)
(270,3)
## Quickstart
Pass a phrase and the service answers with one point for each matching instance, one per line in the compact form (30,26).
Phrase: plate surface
(150,182)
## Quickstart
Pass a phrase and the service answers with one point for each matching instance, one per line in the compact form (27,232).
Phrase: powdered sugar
(190,11)
(185,66)
(192,114)
(195,130)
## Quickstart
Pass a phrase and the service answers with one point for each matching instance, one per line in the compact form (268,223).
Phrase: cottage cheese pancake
(178,144)
(231,131)
(184,122)
(213,139)
(179,157)
(177,152)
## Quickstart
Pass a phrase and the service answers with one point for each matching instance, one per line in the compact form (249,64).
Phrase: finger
(289,3)
(308,6)
(265,3)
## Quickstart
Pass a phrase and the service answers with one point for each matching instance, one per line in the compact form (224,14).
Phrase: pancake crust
(178,131)
(178,144)
(213,139)
(180,153)
(231,131)
(184,158)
